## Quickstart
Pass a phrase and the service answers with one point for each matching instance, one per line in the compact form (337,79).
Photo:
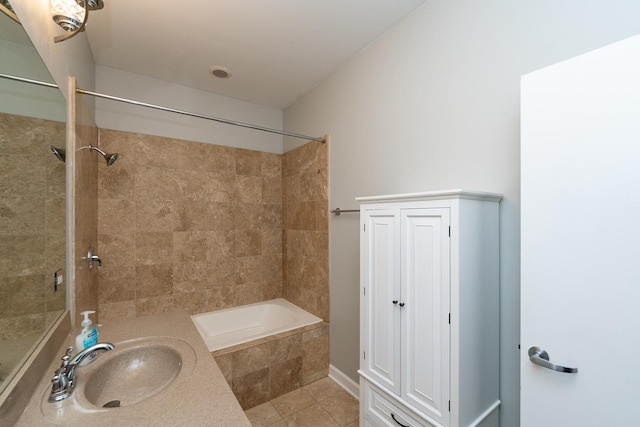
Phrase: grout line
(317,402)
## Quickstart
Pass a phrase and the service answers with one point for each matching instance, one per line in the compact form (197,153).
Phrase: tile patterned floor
(320,404)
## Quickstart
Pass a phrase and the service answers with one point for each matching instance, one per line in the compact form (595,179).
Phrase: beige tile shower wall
(86,209)
(186,225)
(306,228)
(32,224)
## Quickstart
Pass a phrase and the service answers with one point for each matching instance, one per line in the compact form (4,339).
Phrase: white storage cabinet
(429,310)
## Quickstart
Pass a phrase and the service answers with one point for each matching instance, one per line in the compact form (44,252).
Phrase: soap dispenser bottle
(87,337)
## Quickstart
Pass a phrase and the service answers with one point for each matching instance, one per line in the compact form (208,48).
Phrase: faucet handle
(67,357)
(64,378)
(91,258)
(59,376)
(60,387)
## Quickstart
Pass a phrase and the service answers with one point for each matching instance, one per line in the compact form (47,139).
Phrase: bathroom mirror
(32,201)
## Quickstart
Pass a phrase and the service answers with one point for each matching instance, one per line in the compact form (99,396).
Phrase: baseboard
(351,387)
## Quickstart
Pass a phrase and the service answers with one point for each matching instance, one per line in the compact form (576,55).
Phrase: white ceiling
(277,50)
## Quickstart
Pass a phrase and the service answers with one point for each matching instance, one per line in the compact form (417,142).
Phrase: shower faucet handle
(91,258)
(95,258)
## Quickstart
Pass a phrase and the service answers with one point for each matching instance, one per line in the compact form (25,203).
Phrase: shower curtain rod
(25,80)
(171,110)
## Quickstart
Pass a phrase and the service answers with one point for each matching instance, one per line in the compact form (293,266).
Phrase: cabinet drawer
(381,410)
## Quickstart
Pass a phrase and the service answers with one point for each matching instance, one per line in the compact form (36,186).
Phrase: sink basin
(134,371)
(133,375)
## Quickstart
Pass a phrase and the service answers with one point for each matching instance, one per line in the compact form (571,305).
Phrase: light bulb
(67,13)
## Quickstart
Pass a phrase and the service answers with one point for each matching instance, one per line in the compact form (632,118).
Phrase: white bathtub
(237,325)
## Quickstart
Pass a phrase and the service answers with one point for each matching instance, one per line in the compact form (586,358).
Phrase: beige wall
(132,118)
(23,99)
(435,104)
(187,225)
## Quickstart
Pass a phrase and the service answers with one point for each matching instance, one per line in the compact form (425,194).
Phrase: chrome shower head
(110,158)
(59,153)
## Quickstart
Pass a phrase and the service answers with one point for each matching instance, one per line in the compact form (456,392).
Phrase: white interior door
(580,298)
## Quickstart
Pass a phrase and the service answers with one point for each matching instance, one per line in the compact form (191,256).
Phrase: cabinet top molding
(434,195)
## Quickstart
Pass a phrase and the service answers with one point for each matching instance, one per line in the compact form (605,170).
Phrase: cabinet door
(425,313)
(381,286)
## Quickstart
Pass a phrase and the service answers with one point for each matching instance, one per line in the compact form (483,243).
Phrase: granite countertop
(200,397)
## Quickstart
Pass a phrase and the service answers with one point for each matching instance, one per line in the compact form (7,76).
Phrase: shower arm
(91,147)
(110,158)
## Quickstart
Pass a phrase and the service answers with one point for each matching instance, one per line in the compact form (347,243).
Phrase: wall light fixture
(72,15)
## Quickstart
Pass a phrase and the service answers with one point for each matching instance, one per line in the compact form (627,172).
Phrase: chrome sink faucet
(64,378)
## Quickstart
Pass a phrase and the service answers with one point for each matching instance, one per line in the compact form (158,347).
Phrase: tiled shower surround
(32,232)
(200,227)
(305,210)
(261,370)
(32,224)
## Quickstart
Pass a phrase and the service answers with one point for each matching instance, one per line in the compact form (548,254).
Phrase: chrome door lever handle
(540,357)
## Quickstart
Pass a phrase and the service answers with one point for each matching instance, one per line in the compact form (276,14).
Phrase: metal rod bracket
(338,211)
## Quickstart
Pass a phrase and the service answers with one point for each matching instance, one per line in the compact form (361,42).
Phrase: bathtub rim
(266,338)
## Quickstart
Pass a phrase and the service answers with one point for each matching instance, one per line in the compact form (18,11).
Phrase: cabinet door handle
(395,301)
(401,304)
(398,422)
(540,357)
